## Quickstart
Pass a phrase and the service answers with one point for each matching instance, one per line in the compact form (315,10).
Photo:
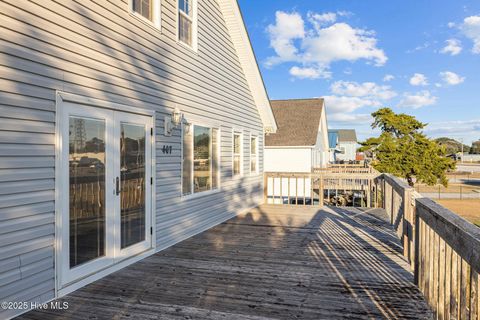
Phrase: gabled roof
(298,122)
(234,21)
(345,135)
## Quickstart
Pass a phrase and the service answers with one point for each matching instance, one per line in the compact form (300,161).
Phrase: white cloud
(318,46)
(309,73)
(344,105)
(418,100)
(348,97)
(459,129)
(451,24)
(425,45)
(471,29)
(288,27)
(319,20)
(451,78)
(453,47)
(388,78)
(350,118)
(367,89)
(418,79)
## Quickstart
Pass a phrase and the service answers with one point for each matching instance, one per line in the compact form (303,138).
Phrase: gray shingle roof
(298,122)
(346,135)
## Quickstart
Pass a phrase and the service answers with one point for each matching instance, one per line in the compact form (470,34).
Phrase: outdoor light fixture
(173,121)
(268,130)
(186,127)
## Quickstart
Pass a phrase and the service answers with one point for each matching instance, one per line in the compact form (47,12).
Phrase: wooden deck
(274,262)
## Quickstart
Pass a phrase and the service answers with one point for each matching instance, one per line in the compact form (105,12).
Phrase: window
(237,154)
(200,165)
(187,22)
(143,8)
(147,10)
(253,155)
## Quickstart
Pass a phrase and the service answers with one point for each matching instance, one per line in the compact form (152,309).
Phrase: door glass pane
(132,184)
(87,189)
(201,159)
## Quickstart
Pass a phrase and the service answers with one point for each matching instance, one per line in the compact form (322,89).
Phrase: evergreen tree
(404,151)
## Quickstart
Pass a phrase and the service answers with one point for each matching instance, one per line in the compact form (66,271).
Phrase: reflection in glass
(132,184)
(87,189)
(143,7)
(215,158)
(201,159)
(187,160)
(185,22)
(237,154)
(253,155)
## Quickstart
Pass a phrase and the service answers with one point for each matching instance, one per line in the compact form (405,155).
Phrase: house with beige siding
(301,141)
(126,126)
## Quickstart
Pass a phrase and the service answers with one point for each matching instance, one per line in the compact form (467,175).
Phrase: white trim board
(241,41)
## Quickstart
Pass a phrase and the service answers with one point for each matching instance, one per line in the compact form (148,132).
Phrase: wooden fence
(442,248)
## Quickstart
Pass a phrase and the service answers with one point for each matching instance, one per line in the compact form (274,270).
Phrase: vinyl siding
(101,51)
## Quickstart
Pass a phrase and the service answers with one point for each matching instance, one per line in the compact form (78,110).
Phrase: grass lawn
(452,188)
(468,208)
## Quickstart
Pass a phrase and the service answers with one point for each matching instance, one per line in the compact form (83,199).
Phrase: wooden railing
(323,187)
(346,168)
(87,199)
(442,248)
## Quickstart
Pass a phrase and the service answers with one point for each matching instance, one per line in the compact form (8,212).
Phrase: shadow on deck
(274,262)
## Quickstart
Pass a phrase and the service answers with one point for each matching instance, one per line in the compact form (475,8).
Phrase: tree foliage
(452,146)
(403,150)
(475,149)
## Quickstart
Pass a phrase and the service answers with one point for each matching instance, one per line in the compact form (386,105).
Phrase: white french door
(106,172)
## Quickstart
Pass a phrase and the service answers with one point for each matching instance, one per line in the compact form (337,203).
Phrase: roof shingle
(345,135)
(298,122)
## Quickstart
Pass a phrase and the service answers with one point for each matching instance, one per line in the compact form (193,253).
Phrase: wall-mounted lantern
(173,121)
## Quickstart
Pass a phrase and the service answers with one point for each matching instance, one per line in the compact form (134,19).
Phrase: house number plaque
(167,149)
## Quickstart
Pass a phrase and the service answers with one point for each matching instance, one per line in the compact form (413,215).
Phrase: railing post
(320,191)
(416,244)
(265,188)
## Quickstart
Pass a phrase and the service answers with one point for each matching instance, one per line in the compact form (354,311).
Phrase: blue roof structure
(332,139)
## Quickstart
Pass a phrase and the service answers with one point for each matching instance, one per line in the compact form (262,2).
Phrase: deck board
(273,262)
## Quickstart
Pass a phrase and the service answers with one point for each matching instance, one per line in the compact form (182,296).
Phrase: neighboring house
(301,141)
(117,128)
(343,145)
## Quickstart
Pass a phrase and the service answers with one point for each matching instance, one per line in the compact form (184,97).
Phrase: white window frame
(194,194)
(194,20)
(253,136)
(239,133)
(156,14)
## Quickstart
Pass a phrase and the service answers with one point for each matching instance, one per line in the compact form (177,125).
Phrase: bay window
(200,165)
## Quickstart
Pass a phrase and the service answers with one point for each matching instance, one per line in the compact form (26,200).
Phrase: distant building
(343,145)
(301,141)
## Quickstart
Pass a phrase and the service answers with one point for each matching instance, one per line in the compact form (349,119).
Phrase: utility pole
(461,141)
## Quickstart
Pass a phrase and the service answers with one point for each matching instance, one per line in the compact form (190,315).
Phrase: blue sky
(417,57)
